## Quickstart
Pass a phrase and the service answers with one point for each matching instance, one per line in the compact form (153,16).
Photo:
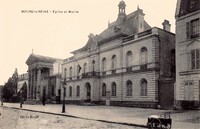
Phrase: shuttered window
(104,89)
(193,29)
(195,59)
(129,88)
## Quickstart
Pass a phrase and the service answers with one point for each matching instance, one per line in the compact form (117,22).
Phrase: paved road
(18,119)
(138,116)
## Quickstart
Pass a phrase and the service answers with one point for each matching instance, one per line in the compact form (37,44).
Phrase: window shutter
(188,30)
(193,59)
(191,92)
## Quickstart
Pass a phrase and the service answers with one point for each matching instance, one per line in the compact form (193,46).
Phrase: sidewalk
(125,115)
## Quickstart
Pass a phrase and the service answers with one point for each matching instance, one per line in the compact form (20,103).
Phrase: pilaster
(31,84)
(38,83)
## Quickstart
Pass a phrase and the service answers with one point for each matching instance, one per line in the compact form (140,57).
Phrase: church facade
(44,77)
(188,53)
(128,64)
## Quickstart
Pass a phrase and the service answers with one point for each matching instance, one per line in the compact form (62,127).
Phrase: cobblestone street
(181,119)
(17,119)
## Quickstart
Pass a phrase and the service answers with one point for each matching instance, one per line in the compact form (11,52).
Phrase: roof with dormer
(116,28)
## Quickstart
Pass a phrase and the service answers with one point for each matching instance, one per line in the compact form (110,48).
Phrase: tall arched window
(129,59)
(70,91)
(143,84)
(104,64)
(70,73)
(65,73)
(78,91)
(113,89)
(104,89)
(84,67)
(114,62)
(129,88)
(77,70)
(144,57)
(93,65)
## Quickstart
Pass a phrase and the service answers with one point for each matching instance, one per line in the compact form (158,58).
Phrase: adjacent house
(188,53)
(44,74)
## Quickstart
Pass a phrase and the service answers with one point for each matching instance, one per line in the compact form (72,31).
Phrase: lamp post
(21,99)
(44,96)
(64,89)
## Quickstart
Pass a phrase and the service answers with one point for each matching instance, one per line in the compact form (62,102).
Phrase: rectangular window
(193,29)
(195,59)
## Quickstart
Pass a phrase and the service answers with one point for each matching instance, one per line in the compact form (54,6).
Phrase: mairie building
(188,53)
(129,64)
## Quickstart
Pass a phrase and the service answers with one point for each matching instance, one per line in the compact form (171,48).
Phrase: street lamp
(21,99)
(43,96)
(64,89)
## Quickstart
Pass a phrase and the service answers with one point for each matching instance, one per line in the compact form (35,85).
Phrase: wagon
(159,122)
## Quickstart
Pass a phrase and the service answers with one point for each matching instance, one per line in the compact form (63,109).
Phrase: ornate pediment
(92,45)
(33,59)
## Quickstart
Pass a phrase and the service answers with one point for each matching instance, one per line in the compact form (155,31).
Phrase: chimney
(166,25)
(140,17)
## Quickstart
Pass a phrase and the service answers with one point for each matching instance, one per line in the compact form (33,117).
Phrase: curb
(59,114)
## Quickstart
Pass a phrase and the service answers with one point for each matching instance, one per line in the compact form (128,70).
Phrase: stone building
(22,85)
(22,79)
(44,77)
(188,53)
(128,64)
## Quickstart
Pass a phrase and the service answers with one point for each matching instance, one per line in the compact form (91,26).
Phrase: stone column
(33,84)
(48,83)
(35,93)
(29,84)
(38,83)
(30,89)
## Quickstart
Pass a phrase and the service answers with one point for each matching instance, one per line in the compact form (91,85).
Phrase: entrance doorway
(88,92)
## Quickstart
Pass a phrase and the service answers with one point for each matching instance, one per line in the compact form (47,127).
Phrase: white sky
(56,35)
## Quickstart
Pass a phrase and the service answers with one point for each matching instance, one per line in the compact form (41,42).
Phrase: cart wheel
(149,125)
(168,126)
